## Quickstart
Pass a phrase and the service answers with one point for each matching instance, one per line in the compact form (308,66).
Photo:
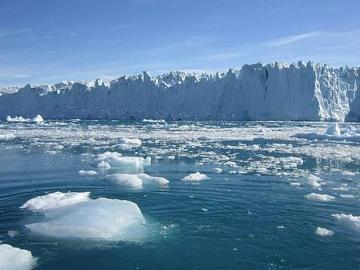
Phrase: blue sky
(45,41)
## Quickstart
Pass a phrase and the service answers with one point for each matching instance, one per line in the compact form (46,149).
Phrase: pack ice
(255,92)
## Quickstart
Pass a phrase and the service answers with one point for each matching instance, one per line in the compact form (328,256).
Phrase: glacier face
(255,92)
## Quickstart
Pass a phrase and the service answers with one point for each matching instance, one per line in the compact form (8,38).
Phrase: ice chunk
(107,219)
(314,181)
(38,119)
(87,173)
(195,177)
(353,222)
(125,180)
(125,164)
(136,180)
(324,232)
(218,170)
(12,258)
(333,130)
(127,143)
(55,200)
(103,165)
(153,180)
(319,197)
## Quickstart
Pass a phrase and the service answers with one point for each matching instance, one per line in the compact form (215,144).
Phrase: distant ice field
(180,195)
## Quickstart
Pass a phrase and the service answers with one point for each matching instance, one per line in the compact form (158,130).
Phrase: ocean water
(254,213)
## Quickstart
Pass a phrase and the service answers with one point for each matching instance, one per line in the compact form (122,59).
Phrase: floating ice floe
(55,200)
(87,173)
(19,119)
(137,180)
(195,177)
(103,219)
(353,222)
(314,181)
(127,143)
(218,170)
(324,232)
(319,197)
(125,164)
(12,258)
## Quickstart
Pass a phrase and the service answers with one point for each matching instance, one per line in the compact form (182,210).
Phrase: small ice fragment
(324,232)
(125,180)
(218,170)
(319,197)
(195,177)
(314,181)
(333,130)
(87,173)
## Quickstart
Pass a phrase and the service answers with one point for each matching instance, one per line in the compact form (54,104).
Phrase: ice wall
(255,92)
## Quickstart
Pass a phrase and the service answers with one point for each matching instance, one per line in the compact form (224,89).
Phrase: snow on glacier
(82,217)
(255,92)
(13,258)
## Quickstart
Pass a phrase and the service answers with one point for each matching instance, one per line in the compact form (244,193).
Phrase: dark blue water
(238,219)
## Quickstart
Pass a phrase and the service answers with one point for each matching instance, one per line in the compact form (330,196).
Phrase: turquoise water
(249,216)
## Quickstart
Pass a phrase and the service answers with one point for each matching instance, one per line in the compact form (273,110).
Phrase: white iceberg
(195,177)
(124,164)
(324,232)
(12,258)
(104,219)
(137,180)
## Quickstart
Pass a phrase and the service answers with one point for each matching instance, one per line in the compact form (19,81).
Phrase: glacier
(276,91)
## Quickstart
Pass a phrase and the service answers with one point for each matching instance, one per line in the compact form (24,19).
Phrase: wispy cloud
(291,39)
(14,32)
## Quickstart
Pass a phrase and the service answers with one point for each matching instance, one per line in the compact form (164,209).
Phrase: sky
(47,41)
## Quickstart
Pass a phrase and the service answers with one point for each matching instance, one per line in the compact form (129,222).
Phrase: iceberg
(13,258)
(324,232)
(109,160)
(195,177)
(137,181)
(276,91)
(75,215)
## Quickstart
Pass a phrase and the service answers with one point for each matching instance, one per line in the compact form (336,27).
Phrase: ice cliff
(255,92)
